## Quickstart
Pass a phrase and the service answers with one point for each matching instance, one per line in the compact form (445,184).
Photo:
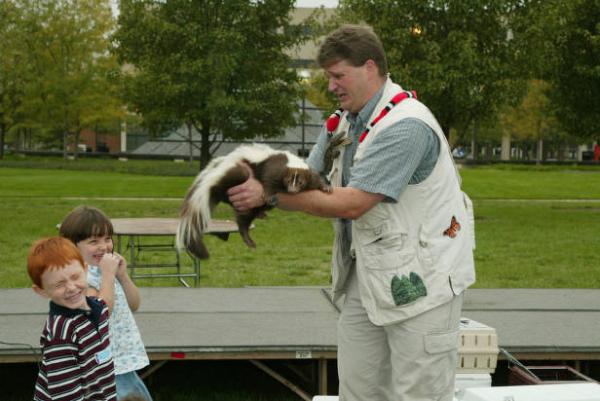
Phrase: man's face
(92,249)
(350,84)
(65,286)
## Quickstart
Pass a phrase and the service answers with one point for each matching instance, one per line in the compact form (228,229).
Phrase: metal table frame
(136,228)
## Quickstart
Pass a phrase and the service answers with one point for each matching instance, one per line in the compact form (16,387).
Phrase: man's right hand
(247,195)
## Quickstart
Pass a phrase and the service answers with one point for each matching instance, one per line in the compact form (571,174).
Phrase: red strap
(399,97)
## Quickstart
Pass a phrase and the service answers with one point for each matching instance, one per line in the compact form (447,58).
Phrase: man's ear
(372,67)
(39,290)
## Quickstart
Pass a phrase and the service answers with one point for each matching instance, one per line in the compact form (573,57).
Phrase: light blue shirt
(402,154)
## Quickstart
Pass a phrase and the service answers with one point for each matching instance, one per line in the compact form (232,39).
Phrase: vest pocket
(396,278)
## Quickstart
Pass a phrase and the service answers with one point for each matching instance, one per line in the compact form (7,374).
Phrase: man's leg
(424,352)
(363,354)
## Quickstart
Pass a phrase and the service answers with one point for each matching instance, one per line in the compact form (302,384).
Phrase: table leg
(132,260)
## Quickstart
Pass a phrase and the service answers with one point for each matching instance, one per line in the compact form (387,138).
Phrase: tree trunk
(65,137)
(124,136)
(205,144)
(474,140)
(76,148)
(2,132)
(190,142)
(561,152)
(540,151)
(505,150)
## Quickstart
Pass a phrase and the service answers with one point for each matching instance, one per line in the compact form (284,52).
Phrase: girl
(91,231)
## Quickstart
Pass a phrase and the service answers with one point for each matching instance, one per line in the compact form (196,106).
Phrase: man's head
(91,230)
(355,65)
(58,272)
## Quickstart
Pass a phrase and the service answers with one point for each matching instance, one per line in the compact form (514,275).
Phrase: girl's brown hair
(85,222)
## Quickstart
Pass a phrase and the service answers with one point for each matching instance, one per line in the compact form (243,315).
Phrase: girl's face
(92,249)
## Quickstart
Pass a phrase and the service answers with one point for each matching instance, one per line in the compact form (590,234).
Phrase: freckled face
(350,84)
(92,249)
(66,286)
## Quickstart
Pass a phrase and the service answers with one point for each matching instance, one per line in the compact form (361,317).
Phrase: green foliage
(59,61)
(218,66)
(560,42)
(455,54)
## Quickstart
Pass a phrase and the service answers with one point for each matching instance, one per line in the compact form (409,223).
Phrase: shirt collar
(93,314)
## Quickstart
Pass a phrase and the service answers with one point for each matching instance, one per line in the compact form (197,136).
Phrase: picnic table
(130,231)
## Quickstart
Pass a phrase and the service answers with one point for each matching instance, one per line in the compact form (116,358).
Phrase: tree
(217,65)
(67,68)
(457,55)
(560,43)
(533,119)
(11,82)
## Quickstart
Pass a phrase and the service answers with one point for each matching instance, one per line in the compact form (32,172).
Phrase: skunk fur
(278,171)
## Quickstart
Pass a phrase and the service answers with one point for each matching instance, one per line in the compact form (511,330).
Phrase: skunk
(278,171)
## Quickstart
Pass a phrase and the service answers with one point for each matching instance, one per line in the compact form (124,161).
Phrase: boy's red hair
(51,253)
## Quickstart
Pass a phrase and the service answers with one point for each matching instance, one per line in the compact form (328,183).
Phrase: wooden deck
(261,323)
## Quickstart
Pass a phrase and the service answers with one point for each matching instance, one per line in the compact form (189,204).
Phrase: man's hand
(247,195)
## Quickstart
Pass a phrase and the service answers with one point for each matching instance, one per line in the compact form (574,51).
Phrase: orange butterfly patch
(453,229)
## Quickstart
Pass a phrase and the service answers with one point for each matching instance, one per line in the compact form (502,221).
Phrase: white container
(463,381)
(477,347)
(535,392)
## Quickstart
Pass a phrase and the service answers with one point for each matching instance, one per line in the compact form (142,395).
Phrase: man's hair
(51,253)
(85,222)
(354,43)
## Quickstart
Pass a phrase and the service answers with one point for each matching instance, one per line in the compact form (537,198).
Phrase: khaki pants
(413,360)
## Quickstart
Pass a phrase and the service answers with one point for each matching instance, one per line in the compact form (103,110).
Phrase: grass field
(535,227)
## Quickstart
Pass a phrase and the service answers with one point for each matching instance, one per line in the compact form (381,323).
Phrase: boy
(76,360)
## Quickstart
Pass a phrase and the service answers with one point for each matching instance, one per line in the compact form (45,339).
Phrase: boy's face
(65,286)
(92,249)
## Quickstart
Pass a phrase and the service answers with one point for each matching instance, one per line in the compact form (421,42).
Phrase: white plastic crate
(477,347)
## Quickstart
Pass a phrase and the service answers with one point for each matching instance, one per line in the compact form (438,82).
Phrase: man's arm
(346,202)
(343,202)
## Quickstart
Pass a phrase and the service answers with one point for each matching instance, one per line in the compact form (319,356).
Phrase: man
(403,234)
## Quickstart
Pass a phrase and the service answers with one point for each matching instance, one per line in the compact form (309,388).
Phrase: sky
(299,3)
(317,3)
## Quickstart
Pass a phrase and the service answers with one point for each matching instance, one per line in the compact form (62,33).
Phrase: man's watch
(272,200)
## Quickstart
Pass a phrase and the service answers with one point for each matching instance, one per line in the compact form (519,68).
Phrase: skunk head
(295,180)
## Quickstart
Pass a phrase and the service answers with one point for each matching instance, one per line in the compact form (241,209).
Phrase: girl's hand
(109,264)
(122,268)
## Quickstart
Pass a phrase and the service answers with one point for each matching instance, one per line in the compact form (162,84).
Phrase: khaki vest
(416,254)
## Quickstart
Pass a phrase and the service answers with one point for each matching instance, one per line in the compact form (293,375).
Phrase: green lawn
(527,234)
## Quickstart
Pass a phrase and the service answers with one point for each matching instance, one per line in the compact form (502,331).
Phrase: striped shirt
(76,361)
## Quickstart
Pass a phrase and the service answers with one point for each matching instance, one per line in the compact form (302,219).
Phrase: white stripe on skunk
(277,170)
